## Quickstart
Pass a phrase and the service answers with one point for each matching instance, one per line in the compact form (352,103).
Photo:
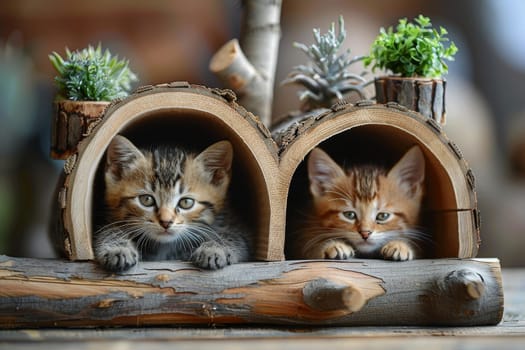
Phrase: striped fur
(364,211)
(166,203)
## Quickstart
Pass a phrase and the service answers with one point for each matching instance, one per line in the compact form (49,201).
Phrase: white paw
(338,250)
(118,258)
(213,256)
(397,250)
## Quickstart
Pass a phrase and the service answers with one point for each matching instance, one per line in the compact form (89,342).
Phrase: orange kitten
(364,211)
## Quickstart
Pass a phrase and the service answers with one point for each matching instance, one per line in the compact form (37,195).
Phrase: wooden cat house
(451,287)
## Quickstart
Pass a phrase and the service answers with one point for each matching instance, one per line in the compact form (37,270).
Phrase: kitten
(365,211)
(169,204)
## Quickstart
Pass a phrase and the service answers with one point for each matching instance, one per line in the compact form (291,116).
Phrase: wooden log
(56,293)
(196,116)
(192,115)
(451,201)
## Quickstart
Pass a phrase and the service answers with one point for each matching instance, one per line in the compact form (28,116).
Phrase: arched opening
(367,141)
(160,118)
(193,132)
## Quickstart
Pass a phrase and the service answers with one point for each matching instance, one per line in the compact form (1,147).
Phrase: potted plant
(415,53)
(326,78)
(88,80)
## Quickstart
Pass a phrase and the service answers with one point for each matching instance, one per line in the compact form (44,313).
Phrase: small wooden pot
(423,95)
(71,123)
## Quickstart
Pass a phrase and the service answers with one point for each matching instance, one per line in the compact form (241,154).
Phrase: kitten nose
(166,224)
(365,234)
(165,217)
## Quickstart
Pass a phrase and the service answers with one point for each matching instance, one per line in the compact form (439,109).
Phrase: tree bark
(250,72)
(57,293)
(423,95)
(451,215)
(71,122)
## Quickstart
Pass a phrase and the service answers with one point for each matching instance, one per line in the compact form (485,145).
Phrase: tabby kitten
(365,211)
(169,204)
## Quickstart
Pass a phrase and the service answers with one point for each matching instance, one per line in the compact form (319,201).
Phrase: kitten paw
(213,256)
(338,250)
(119,258)
(397,250)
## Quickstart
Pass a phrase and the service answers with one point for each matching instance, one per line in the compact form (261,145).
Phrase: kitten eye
(186,203)
(350,215)
(147,200)
(382,216)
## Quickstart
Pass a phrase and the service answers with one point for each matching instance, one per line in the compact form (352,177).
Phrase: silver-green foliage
(326,77)
(92,75)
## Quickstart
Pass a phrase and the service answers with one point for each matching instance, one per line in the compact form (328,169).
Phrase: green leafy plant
(412,50)
(92,75)
(326,77)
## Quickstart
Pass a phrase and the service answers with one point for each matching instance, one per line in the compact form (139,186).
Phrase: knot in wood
(323,295)
(465,283)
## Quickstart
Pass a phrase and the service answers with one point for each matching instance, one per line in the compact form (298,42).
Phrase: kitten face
(164,194)
(168,204)
(363,207)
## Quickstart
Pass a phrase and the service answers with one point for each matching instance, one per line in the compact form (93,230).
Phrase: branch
(233,68)
(250,72)
(58,293)
(321,294)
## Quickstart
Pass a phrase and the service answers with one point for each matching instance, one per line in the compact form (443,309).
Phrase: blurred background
(170,40)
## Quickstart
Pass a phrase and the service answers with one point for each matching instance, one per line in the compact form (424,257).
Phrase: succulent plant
(92,75)
(412,50)
(326,78)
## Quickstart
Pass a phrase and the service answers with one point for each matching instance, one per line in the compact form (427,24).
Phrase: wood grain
(269,171)
(56,293)
(508,334)
(423,95)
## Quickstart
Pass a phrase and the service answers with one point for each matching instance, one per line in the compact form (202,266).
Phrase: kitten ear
(322,171)
(121,154)
(217,161)
(409,171)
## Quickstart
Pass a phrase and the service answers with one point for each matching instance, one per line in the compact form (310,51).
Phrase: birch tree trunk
(249,68)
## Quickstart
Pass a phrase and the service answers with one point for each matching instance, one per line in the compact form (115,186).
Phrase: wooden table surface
(509,334)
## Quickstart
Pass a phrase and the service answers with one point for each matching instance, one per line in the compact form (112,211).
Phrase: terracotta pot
(423,95)
(71,123)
